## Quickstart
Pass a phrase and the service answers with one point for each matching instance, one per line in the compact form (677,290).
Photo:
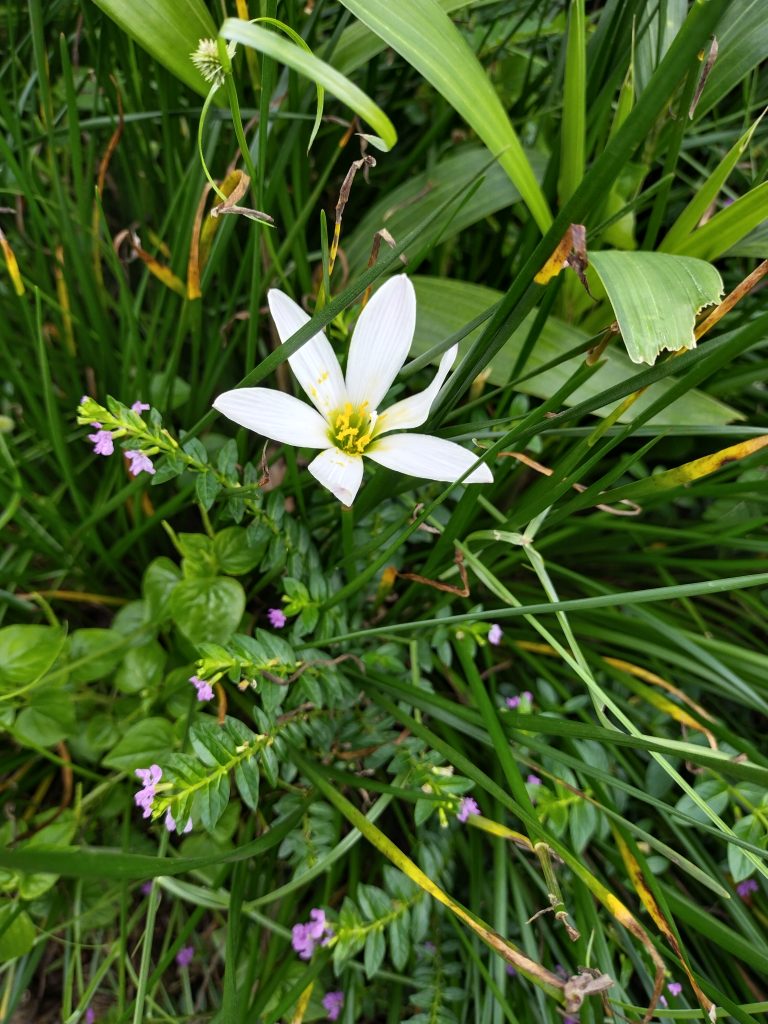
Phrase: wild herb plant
(463,717)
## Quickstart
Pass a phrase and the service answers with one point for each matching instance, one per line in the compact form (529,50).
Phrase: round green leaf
(208,609)
(26,652)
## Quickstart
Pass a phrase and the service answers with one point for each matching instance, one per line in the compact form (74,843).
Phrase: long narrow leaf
(322,74)
(422,33)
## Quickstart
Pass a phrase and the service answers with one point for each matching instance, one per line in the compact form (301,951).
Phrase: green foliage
(311,774)
(656,298)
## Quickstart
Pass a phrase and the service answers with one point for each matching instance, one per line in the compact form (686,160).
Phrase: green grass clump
(457,752)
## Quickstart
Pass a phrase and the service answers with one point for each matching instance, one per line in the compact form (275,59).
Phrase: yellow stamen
(351,428)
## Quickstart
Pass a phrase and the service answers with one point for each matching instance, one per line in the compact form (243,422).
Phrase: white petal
(275,415)
(413,411)
(342,474)
(315,364)
(432,458)
(381,342)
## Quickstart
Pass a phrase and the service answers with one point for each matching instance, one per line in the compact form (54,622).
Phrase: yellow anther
(351,428)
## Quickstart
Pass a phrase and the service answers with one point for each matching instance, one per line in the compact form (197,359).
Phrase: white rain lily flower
(345,423)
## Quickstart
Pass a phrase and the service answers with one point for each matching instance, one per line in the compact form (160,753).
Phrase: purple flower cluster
(516,701)
(674,988)
(204,689)
(317,931)
(467,807)
(103,442)
(149,778)
(333,1003)
(276,618)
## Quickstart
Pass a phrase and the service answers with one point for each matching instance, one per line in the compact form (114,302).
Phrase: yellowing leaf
(643,890)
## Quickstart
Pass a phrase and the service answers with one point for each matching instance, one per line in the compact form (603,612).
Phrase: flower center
(351,428)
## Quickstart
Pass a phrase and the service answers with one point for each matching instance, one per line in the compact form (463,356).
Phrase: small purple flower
(430,947)
(149,778)
(185,956)
(301,941)
(333,1003)
(304,937)
(145,888)
(90,1015)
(495,634)
(84,399)
(103,443)
(139,407)
(140,463)
(517,700)
(745,888)
(570,1020)
(204,689)
(674,988)
(172,826)
(276,618)
(533,780)
(466,807)
(663,1001)
(511,971)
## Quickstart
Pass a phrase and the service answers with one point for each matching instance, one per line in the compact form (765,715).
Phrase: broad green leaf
(659,31)
(358,44)
(444,306)
(316,70)
(742,37)
(27,652)
(48,719)
(168,29)
(160,577)
(141,669)
(94,654)
(142,744)
(750,828)
(232,552)
(198,558)
(422,33)
(755,244)
(208,609)
(415,203)
(728,226)
(655,298)
(17,933)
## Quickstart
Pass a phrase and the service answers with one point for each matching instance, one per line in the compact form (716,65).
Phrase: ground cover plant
(383,476)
